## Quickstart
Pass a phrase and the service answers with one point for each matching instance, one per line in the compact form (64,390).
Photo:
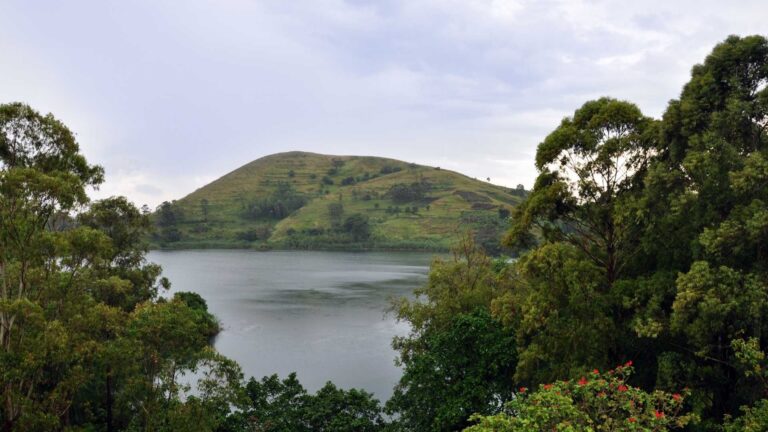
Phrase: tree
(85,342)
(651,238)
(283,201)
(204,209)
(406,193)
(457,359)
(166,215)
(463,369)
(565,300)
(42,173)
(707,209)
(564,323)
(590,168)
(335,212)
(276,405)
(169,338)
(357,226)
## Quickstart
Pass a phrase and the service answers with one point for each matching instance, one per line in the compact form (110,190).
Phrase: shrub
(389,169)
(403,193)
(357,226)
(283,201)
(599,402)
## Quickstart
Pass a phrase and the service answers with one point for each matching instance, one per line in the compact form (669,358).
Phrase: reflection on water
(320,314)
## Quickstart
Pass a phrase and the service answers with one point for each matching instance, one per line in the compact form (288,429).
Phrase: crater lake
(320,314)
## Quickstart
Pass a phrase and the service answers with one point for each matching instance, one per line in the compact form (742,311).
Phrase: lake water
(320,314)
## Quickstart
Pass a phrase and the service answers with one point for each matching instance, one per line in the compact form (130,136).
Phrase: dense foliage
(276,405)
(86,339)
(406,193)
(602,402)
(646,241)
(458,360)
(282,202)
(649,239)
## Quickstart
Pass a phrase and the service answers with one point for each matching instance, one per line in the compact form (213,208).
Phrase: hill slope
(307,200)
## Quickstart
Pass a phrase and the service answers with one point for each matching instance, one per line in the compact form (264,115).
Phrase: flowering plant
(594,402)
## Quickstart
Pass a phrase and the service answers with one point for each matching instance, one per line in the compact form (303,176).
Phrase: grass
(434,227)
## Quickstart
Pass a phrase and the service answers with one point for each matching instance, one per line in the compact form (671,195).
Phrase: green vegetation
(302,200)
(285,406)
(647,247)
(86,342)
(646,243)
(600,402)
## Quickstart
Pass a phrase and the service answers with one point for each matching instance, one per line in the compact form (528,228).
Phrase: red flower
(622,388)
(596,372)
(658,414)
(628,364)
(523,389)
(632,419)
(583,381)
(547,386)
(676,397)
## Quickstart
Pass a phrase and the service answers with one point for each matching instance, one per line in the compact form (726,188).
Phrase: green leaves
(595,402)
(458,370)
(590,170)
(42,143)
(276,405)
(458,360)
(563,321)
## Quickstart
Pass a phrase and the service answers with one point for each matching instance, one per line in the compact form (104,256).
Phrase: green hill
(313,201)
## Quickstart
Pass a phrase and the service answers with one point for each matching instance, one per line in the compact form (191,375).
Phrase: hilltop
(313,201)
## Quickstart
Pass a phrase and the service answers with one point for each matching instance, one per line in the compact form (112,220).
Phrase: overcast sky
(169,95)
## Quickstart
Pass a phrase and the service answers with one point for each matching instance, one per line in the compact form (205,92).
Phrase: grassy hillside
(306,200)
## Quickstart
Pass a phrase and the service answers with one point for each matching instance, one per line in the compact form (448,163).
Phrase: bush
(357,226)
(599,402)
(755,419)
(404,193)
(169,235)
(283,201)
(389,169)
(335,211)
(260,233)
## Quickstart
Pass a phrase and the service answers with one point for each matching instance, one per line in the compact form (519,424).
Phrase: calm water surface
(320,314)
